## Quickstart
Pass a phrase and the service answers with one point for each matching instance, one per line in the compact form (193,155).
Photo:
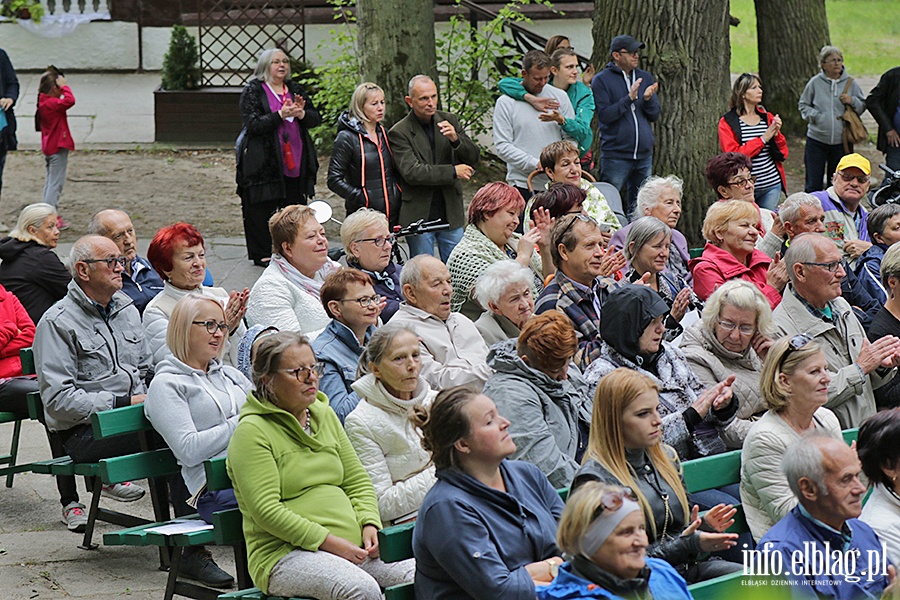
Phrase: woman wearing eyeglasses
(749,129)
(388,447)
(602,531)
(794,384)
(487,528)
(625,448)
(287,294)
(178,253)
(367,242)
(310,512)
(490,236)
(362,170)
(732,338)
(276,156)
(353,306)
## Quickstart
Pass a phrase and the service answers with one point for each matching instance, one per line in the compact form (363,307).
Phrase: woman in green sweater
(310,511)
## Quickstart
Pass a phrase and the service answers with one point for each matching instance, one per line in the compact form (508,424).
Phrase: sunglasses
(798,342)
(848,177)
(577,217)
(612,501)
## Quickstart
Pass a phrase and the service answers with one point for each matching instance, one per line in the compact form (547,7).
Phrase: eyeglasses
(831,267)
(635,53)
(848,177)
(279,61)
(613,500)
(729,326)
(577,217)
(110,262)
(797,343)
(379,241)
(743,182)
(212,326)
(365,301)
(316,368)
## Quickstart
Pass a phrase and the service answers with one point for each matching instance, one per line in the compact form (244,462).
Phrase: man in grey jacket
(90,356)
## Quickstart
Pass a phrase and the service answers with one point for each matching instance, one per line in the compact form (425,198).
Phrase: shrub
(181,69)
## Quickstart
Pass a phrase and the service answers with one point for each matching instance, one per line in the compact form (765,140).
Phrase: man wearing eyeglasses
(626,102)
(812,304)
(845,218)
(90,356)
(139,279)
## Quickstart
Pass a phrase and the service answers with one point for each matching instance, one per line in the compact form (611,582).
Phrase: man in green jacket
(433,154)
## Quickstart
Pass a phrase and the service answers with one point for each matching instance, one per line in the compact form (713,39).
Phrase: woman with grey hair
(362,170)
(884,229)
(732,338)
(887,322)
(276,157)
(648,247)
(368,242)
(504,289)
(389,385)
(29,268)
(660,197)
(823,101)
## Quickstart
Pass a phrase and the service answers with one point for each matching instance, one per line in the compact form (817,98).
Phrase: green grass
(866,31)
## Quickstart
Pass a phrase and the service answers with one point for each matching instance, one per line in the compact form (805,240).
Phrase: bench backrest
(216,474)
(119,421)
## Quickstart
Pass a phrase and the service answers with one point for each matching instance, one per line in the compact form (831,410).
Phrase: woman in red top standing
(54,99)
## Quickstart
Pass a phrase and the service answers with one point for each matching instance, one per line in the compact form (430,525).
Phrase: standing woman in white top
(749,129)
(287,294)
(388,446)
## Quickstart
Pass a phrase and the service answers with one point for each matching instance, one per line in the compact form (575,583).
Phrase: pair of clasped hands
(292,108)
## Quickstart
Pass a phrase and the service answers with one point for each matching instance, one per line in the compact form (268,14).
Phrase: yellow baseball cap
(855,160)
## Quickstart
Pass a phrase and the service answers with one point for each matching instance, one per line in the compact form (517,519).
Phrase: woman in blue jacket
(487,528)
(602,529)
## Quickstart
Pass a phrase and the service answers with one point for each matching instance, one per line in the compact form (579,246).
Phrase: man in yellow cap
(845,218)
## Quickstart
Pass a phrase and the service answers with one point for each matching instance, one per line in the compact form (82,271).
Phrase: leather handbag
(854,130)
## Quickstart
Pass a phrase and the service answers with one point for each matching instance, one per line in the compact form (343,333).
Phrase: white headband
(603,526)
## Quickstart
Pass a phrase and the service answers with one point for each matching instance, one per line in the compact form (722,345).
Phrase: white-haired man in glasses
(812,304)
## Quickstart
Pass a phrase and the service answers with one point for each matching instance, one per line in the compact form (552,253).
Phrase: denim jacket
(338,348)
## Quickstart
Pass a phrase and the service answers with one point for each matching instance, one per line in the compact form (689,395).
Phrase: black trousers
(256,218)
(13,395)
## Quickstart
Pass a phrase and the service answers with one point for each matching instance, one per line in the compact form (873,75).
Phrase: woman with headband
(602,531)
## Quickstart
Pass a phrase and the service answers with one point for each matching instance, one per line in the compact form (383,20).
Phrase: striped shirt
(763,164)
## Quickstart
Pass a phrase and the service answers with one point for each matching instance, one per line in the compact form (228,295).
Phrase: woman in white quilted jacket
(387,444)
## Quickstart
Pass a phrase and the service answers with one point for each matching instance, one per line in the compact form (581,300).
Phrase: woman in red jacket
(54,99)
(16,333)
(747,128)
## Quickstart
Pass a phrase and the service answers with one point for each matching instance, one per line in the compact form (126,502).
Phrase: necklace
(648,472)
(306,426)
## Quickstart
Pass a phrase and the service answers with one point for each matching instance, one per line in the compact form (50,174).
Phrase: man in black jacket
(9,93)
(433,155)
(884,104)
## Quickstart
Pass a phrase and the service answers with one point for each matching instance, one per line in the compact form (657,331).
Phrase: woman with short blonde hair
(368,244)
(794,383)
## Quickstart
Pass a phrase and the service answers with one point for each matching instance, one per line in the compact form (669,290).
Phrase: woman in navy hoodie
(487,529)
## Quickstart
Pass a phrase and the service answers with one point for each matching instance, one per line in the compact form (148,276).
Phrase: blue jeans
(424,242)
(821,160)
(212,502)
(627,175)
(768,197)
(729,494)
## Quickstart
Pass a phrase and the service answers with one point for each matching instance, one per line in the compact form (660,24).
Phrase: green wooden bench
(9,460)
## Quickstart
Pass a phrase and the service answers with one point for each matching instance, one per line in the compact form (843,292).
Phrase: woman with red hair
(178,254)
(490,237)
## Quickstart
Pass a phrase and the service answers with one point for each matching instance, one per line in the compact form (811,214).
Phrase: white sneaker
(123,492)
(74,517)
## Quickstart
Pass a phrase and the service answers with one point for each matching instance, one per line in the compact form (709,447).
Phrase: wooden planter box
(209,115)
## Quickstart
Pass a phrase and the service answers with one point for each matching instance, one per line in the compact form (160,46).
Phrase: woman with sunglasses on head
(602,532)
(353,306)
(362,170)
(487,528)
(489,237)
(368,243)
(390,385)
(794,384)
(625,448)
(747,128)
(310,512)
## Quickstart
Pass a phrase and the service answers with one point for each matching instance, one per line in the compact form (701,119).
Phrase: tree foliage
(181,69)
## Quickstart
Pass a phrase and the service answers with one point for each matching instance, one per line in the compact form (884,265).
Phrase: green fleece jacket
(294,489)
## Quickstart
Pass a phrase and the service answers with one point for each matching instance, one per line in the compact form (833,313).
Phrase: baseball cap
(625,42)
(855,160)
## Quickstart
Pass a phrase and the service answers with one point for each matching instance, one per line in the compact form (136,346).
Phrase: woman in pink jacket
(54,99)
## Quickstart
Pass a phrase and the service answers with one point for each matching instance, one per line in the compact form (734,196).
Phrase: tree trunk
(688,52)
(789,35)
(396,42)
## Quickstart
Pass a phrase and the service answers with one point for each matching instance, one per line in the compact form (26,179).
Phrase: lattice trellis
(232,33)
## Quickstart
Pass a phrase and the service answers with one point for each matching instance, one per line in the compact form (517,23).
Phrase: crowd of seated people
(461,392)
